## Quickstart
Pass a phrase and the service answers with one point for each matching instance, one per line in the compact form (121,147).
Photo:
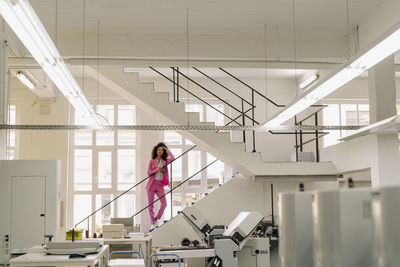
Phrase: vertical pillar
(4,92)
(382,104)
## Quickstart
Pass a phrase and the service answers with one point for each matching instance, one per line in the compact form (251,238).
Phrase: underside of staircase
(219,144)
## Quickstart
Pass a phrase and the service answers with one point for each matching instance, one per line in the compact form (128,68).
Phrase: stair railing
(197,97)
(126,191)
(243,113)
(317,134)
(172,189)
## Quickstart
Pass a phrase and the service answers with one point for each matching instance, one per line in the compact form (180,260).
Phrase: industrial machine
(385,203)
(296,229)
(232,246)
(343,228)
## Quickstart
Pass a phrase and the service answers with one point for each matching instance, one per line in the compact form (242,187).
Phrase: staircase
(128,86)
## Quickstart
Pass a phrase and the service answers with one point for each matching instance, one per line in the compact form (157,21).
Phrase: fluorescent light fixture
(23,20)
(25,80)
(309,81)
(388,44)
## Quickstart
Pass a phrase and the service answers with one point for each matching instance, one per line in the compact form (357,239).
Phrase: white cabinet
(29,203)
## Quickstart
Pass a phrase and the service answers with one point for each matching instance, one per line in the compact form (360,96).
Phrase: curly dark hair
(154,152)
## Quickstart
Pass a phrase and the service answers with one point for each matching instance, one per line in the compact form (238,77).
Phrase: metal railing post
(177,84)
(301,137)
(174,82)
(316,139)
(243,122)
(295,134)
(252,116)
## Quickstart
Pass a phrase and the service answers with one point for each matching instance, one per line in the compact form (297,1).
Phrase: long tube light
(385,46)
(25,80)
(23,20)
(309,81)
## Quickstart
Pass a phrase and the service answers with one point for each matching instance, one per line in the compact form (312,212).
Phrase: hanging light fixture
(385,46)
(22,77)
(23,20)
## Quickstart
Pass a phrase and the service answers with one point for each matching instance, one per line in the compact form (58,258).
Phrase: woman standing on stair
(158,172)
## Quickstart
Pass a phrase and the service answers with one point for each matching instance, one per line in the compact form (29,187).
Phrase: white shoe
(153,226)
(158,223)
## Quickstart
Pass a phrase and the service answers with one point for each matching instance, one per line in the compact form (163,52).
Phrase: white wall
(44,144)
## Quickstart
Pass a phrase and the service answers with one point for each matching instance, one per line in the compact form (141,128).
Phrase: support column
(382,104)
(4,93)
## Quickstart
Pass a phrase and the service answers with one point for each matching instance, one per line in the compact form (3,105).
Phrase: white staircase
(248,164)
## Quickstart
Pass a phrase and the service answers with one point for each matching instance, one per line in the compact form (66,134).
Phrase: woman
(158,172)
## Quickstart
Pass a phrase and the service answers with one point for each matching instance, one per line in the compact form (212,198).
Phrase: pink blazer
(153,169)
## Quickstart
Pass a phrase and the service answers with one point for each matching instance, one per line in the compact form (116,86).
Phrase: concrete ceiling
(210,16)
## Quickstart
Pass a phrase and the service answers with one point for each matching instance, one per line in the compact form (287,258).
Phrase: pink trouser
(158,189)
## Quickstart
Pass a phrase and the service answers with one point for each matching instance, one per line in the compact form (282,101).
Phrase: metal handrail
(129,189)
(312,114)
(223,86)
(180,86)
(239,117)
(253,90)
(208,91)
(312,139)
(172,189)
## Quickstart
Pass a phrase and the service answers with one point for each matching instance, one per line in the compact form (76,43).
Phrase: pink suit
(156,187)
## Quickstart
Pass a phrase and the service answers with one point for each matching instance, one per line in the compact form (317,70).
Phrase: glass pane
(104,215)
(83,169)
(176,203)
(172,138)
(348,116)
(126,205)
(192,198)
(176,167)
(82,208)
(126,115)
(363,114)
(188,142)
(104,169)
(106,113)
(331,117)
(126,168)
(195,108)
(10,154)
(83,138)
(12,115)
(215,172)
(11,138)
(126,138)
(194,165)
(105,138)
(215,116)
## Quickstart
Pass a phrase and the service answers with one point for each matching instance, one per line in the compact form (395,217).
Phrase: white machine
(385,206)
(29,204)
(295,229)
(231,247)
(343,228)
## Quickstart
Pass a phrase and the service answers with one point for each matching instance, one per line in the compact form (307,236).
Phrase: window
(187,166)
(11,134)
(343,115)
(103,166)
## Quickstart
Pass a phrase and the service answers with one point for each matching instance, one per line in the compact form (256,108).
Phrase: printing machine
(234,246)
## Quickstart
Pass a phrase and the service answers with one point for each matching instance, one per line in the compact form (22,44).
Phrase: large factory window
(103,165)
